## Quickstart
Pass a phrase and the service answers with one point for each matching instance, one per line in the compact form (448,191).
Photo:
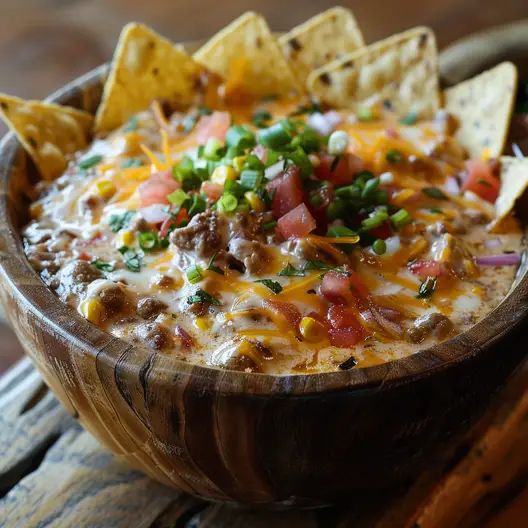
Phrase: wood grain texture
(76,482)
(250,438)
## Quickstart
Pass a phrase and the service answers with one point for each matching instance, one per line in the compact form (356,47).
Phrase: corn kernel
(126,238)
(93,310)
(238,163)
(223,173)
(485,154)
(311,329)
(255,201)
(106,189)
(202,323)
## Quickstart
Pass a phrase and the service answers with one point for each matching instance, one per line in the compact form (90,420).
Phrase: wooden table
(54,474)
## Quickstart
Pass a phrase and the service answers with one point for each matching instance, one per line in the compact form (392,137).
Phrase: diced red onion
(155,213)
(274,170)
(505,259)
(324,123)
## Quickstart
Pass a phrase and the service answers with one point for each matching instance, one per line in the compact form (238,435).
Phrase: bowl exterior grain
(251,438)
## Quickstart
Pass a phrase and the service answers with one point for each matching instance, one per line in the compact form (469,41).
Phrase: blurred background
(46,43)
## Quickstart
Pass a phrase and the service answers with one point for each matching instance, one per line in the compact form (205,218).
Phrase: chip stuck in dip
(270,206)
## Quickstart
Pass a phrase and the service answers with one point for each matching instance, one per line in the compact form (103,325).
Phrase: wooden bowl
(250,438)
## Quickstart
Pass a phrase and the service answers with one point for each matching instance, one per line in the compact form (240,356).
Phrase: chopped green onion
(301,160)
(148,240)
(291,271)
(381,197)
(315,199)
(310,141)
(365,114)
(253,162)
(240,137)
(340,231)
(212,148)
(401,218)
(336,209)
(178,197)
(370,187)
(427,288)
(275,136)
(227,203)
(260,118)
(87,163)
(409,119)
(250,179)
(102,265)
(194,274)
(394,156)
(274,286)
(311,108)
(120,221)
(184,169)
(348,192)
(379,246)
(377,218)
(198,205)
(435,193)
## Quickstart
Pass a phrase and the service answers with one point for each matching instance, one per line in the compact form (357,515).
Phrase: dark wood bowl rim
(88,339)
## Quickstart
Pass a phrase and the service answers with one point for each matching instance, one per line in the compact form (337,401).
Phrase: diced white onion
(154,213)
(324,123)
(338,142)
(274,170)
(392,245)
(386,178)
(451,186)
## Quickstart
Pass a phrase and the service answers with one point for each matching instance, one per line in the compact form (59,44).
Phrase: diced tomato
(84,256)
(176,221)
(297,223)
(427,268)
(287,191)
(343,173)
(341,288)
(212,190)
(481,180)
(156,189)
(383,231)
(340,316)
(347,335)
(286,310)
(212,126)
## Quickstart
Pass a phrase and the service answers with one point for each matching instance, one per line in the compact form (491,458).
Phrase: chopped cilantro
(274,286)
(201,296)
(120,221)
(102,265)
(212,267)
(89,162)
(291,271)
(131,259)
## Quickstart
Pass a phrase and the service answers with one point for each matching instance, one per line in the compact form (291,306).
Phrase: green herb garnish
(194,274)
(394,156)
(291,271)
(131,259)
(89,162)
(212,267)
(201,296)
(401,218)
(435,193)
(427,288)
(409,119)
(149,241)
(120,221)
(274,137)
(227,203)
(274,286)
(178,197)
(260,118)
(102,265)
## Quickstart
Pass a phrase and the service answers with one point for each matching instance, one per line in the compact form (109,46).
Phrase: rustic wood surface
(55,474)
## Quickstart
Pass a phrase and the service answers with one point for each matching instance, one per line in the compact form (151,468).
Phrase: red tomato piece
(343,173)
(426,268)
(214,125)
(481,180)
(182,216)
(384,231)
(287,191)
(156,189)
(297,223)
(341,288)
(212,190)
(344,337)
(288,311)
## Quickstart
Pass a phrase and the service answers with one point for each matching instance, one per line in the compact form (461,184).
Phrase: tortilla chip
(483,106)
(247,56)
(514,182)
(145,67)
(320,40)
(47,131)
(400,72)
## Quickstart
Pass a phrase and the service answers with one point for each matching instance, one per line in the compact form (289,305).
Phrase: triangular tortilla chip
(320,40)
(145,67)
(400,72)
(514,182)
(47,131)
(247,56)
(483,106)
